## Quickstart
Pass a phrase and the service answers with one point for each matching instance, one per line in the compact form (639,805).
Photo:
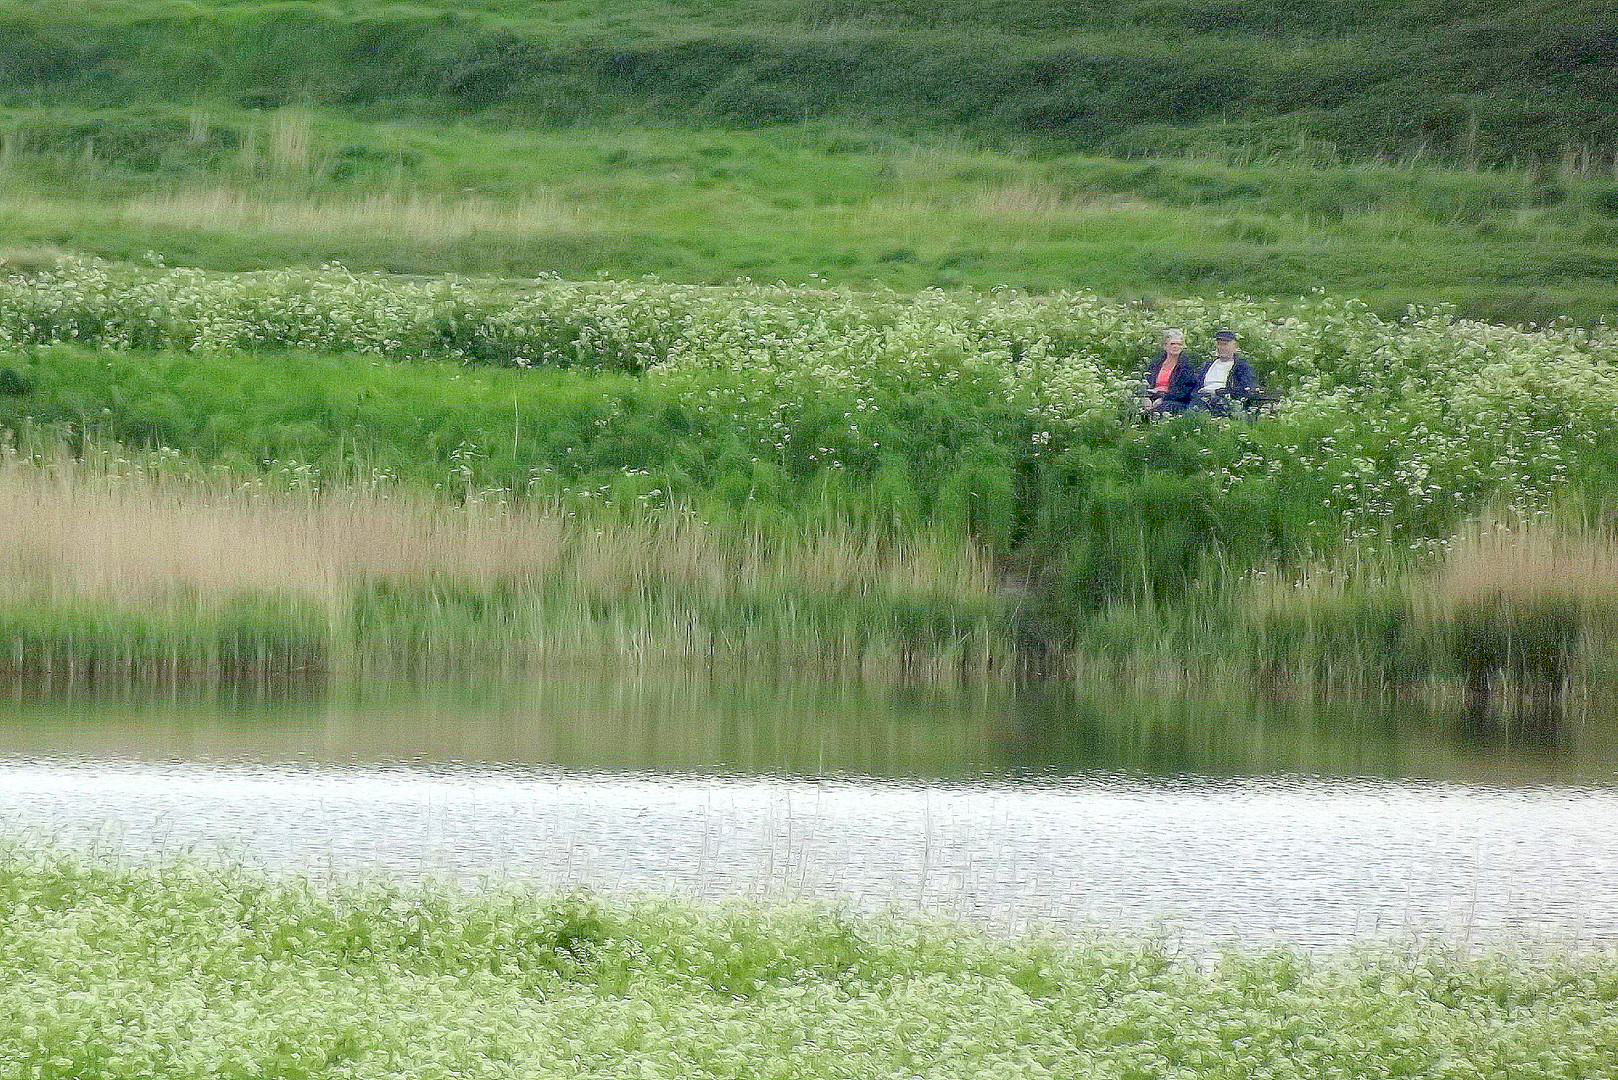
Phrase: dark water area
(1213,818)
(789,727)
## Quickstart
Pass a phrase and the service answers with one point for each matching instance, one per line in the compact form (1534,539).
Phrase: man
(1227,377)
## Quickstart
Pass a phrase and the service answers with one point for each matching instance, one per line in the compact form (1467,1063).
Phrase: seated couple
(1175,383)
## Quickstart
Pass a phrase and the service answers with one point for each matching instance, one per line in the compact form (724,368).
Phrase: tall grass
(119,528)
(1535,606)
(116,575)
(122,574)
(431,220)
(1517,612)
(1541,559)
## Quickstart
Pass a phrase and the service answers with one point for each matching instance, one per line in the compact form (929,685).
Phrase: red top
(1165,372)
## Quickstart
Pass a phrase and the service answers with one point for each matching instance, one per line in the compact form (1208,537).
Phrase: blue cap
(1224,335)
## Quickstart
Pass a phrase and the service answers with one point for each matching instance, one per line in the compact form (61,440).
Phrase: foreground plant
(177,970)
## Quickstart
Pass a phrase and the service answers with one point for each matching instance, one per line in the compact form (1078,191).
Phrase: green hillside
(1445,152)
(1453,80)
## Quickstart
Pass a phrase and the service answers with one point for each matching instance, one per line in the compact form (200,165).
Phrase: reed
(130,571)
(1530,559)
(248,645)
(115,571)
(1517,610)
(1533,606)
(119,528)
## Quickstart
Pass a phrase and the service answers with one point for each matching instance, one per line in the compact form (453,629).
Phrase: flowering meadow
(179,969)
(1390,428)
(1002,419)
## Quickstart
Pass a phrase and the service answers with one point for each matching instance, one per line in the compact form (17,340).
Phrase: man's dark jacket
(1238,384)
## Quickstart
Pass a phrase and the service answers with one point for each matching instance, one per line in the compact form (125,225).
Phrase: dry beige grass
(1513,560)
(69,529)
(127,535)
(1039,200)
(683,547)
(289,139)
(1029,200)
(1530,561)
(31,259)
(423,218)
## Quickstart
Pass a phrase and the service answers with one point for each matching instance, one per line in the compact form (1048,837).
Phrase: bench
(1255,402)
(1259,400)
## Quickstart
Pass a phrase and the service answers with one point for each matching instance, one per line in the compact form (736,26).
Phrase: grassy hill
(1451,80)
(1450,152)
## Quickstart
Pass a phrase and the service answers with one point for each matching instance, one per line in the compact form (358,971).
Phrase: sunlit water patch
(1316,862)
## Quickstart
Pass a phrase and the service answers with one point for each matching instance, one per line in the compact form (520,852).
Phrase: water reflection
(1237,733)
(678,722)
(794,727)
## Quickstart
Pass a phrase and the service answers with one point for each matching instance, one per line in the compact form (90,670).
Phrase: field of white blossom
(1389,427)
(177,970)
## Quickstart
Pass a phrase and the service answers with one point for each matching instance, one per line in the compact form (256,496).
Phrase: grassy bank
(178,970)
(1458,153)
(992,434)
(1003,417)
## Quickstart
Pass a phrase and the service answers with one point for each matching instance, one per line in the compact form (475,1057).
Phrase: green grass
(1449,152)
(73,647)
(179,970)
(230,189)
(1462,82)
(129,646)
(664,620)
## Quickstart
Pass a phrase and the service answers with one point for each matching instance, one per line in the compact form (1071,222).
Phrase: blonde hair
(1171,334)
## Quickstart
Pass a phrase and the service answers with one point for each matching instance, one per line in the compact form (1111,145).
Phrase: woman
(1171,380)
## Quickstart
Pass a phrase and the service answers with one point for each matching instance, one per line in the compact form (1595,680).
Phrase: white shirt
(1218,374)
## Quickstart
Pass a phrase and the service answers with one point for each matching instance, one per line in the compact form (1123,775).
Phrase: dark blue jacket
(1183,384)
(1237,384)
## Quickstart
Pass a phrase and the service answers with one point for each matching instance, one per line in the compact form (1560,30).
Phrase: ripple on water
(1318,863)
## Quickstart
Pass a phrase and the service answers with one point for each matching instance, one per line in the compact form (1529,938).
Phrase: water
(1212,821)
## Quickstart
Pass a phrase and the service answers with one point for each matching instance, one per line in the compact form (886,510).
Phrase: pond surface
(1210,819)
